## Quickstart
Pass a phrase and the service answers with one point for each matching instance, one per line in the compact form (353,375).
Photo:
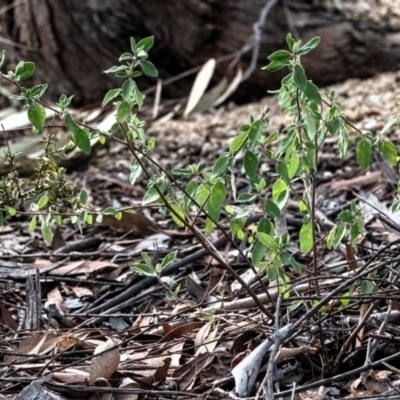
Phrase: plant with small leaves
(154,270)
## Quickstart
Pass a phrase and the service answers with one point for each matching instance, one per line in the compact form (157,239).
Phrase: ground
(90,300)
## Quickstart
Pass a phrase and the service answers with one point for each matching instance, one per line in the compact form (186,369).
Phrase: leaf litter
(104,332)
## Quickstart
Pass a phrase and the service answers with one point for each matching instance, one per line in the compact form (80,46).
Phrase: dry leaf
(231,88)
(204,336)
(71,375)
(105,364)
(137,223)
(36,344)
(79,267)
(54,297)
(181,331)
(200,85)
(7,318)
(81,291)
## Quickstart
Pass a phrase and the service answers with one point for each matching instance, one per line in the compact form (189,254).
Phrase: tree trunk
(73,41)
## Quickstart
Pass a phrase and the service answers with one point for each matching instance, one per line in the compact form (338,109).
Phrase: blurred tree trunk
(73,41)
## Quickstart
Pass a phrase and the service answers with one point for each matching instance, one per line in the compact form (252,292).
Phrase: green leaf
(182,172)
(111,94)
(11,211)
(124,111)
(299,77)
(169,259)
(126,57)
(3,59)
(236,225)
(282,170)
(266,226)
(32,224)
(389,151)
(221,165)
(267,240)
(127,89)
(178,215)
(148,68)
(310,45)
(216,200)
(282,56)
(294,164)
(24,70)
(258,253)
(245,211)
(274,66)
(116,68)
(290,41)
(310,125)
(83,196)
(286,142)
(202,195)
(309,158)
(288,259)
(364,154)
(280,193)
(139,97)
(190,190)
(110,211)
(133,44)
(354,232)
(146,43)
(250,163)
(303,207)
(254,133)
(150,196)
(238,142)
(47,232)
(339,235)
(37,116)
(343,143)
(367,287)
(136,171)
(345,216)
(246,198)
(395,206)
(312,93)
(306,238)
(81,138)
(394,119)
(144,270)
(272,209)
(39,90)
(43,201)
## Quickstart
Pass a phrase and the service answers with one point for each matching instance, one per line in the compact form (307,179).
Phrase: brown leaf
(139,224)
(105,364)
(71,375)
(79,267)
(36,344)
(181,331)
(7,318)
(54,297)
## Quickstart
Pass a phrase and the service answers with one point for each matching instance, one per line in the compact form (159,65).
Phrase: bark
(76,40)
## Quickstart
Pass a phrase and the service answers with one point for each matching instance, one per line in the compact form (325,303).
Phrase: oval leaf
(306,239)
(37,116)
(364,154)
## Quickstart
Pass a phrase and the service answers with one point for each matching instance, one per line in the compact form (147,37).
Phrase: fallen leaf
(200,85)
(106,363)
